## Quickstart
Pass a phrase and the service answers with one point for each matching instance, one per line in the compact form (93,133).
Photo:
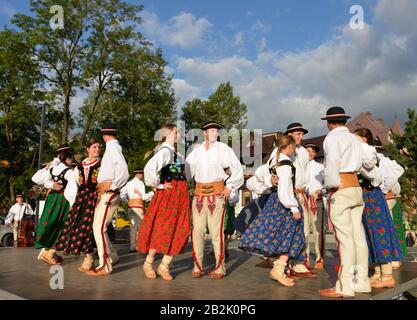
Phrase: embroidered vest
(172,171)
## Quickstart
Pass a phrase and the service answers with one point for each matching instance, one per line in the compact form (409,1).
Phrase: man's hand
(57,186)
(274,180)
(226,193)
(296,215)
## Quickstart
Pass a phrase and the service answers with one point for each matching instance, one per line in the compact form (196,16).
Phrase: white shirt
(113,166)
(300,161)
(164,156)
(207,166)
(135,189)
(314,177)
(391,172)
(343,153)
(369,168)
(285,186)
(16,212)
(43,178)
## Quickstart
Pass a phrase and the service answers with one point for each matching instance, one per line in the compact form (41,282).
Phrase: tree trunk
(11,190)
(65,126)
(91,115)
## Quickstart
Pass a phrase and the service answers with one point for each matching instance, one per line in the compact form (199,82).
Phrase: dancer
(77,235)
(135,194)
(57,178)
(165,228)
(343,159)
(112,176)
(391,172)
(206,165)
(316,214)
(278,231)
(383,243)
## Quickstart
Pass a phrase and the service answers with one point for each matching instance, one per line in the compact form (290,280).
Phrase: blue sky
(288,60)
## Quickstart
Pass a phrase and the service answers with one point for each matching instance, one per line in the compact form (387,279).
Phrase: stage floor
(24,277)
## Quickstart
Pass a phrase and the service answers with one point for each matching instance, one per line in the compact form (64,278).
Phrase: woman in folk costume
(165,228)
(279,230)
(56,177)
(383,243)
(77,235)
(390,186)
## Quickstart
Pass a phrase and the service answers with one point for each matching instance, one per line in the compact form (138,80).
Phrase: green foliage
(222,106)
(404,151)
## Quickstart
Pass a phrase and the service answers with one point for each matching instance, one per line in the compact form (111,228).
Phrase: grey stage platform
(23,277)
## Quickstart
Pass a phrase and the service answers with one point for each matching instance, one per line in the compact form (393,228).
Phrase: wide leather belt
(347,180)
(102,187)
(213,188)
(299,191)
(390,196)
(135,203)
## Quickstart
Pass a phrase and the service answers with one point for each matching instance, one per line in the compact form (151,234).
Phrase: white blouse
(369,168)
(43,178)
(391,172)
(163,157)
(285,186)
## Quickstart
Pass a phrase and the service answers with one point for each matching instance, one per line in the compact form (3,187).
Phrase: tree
(77,56)
(404,151)
(139,101)
(222,106)
(19,112)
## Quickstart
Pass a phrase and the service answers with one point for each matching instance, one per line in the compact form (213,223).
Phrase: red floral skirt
(166,223)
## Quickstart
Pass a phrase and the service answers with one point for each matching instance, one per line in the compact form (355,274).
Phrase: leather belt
(213,188)
(135,203)
(347,180)
(104,187)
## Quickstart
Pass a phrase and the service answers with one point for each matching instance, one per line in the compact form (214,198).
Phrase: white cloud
(369,70)
(185,91)
(239,39)
(183,30)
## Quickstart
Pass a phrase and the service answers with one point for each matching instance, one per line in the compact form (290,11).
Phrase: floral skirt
(275,232)
(52,221)
(382,239)
(166,225)
(77,234)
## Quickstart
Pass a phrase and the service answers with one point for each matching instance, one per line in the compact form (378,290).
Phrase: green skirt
(229,219)
(53,218)
(397,216)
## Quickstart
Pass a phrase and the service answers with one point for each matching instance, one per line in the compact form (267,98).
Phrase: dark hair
(365,133)
(342,122)
(91,142)
(64,155)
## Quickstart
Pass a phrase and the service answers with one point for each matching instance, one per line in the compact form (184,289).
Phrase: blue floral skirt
(382,239)
(275,232)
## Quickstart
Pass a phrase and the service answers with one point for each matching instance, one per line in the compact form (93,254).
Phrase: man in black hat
(15,215)
(112,176)
(134,193)
(343,159)
(314,192)
(207,164)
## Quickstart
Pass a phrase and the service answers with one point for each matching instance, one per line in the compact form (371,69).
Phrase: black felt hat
(336,114)
(63,147)
(109,129)
(294,127)
(211,124)
(312,145)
